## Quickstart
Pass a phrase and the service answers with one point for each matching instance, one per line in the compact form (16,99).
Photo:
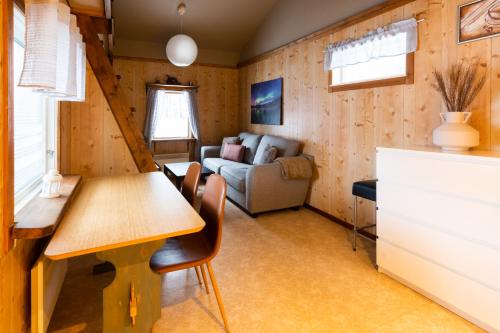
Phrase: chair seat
(181,252)
(366,189)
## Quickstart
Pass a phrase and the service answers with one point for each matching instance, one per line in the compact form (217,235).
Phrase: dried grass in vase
(459,85)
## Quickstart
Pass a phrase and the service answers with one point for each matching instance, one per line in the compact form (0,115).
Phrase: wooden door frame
(7,126)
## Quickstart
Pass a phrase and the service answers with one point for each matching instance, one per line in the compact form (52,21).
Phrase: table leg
(178,182)
(132,273)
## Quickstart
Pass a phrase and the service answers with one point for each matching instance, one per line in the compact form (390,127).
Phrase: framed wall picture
(478,20)
(266,102)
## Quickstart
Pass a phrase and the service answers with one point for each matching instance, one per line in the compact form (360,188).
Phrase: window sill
(174,139)
(40,217)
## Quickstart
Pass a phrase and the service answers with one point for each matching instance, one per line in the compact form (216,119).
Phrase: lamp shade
(182,50)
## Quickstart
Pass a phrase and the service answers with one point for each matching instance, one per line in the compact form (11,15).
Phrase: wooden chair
(190,183)
(200,248)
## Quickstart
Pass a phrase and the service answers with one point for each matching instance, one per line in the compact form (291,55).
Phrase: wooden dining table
(124,220)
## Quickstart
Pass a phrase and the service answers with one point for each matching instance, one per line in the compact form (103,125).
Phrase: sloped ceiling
(214,24)
(226,31)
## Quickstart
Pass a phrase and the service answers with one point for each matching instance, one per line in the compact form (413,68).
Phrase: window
(375,69)
(172,116)
(382,57)
(34,128)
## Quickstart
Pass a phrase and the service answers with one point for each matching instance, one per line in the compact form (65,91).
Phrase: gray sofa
(258,188)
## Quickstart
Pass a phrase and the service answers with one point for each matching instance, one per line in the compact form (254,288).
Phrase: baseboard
(340,222)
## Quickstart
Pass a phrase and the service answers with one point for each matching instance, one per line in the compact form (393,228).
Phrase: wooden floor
(282,272)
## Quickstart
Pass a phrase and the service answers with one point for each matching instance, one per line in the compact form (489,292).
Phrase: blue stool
(366,189)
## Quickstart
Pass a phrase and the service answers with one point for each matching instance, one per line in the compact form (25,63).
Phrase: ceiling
(214,24)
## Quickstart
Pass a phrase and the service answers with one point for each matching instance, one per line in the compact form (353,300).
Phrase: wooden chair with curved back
(190,183)
(200,248)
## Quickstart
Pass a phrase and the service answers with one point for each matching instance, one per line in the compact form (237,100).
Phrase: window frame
(190,134)
(50,109)
(409,78)
(6,125)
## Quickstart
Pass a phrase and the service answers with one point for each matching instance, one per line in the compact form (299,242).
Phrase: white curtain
(54,62)
(40,61)
(194,121)
(151,116)
(392,40)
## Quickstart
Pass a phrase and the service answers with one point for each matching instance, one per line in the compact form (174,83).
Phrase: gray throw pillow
(268,155)
(230,139)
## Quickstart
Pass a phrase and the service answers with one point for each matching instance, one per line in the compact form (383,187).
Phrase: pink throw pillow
(233,152)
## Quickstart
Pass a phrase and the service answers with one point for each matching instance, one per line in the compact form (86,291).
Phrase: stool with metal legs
(366,189)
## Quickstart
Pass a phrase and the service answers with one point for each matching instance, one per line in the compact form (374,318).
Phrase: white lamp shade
(182,50)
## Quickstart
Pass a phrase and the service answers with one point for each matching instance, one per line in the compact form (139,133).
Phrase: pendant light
(181,49)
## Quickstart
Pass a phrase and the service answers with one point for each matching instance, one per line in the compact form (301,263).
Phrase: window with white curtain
(35,127)
(172,115)
(384,56)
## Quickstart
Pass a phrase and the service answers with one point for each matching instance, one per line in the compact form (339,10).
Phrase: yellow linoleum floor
(288,271)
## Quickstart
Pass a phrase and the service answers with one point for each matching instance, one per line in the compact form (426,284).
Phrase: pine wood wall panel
(90,139)
(217,93)
(341,130)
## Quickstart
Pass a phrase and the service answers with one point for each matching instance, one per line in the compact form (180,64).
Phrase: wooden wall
(217,95)
(91,143)
(341,130)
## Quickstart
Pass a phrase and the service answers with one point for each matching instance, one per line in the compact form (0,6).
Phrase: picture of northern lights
(266,102)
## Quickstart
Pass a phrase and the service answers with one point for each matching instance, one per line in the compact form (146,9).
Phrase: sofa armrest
(266,189)
(210,151)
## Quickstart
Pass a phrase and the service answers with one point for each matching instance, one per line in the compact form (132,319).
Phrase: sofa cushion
(265,156)
(235,176)
(215,163)
(233,152)
(286,147)
(230,139)
(251,142)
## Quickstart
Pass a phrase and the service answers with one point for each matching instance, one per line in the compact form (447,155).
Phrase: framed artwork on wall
(478,20)
(267,102)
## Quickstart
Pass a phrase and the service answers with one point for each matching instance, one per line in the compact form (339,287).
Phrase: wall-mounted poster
(478,19)
(267,100)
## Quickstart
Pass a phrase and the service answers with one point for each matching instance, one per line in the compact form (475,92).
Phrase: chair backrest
(212,210)
(191,181)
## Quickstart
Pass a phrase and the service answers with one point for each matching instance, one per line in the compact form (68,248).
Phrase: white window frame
(407,78)
(173,138)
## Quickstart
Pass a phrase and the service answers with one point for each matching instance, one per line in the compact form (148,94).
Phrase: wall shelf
(40,217)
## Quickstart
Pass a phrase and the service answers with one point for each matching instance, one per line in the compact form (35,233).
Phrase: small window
(382,57)
(172,117)
(35,125)
(375,69)
(379,72)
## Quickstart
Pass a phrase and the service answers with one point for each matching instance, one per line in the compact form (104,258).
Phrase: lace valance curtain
(392,40)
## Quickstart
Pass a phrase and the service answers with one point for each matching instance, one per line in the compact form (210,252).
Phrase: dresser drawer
(469,219)
(472,260)
(468,298)
(470,177)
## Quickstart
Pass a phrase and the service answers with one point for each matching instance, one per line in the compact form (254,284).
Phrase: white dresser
(438,227)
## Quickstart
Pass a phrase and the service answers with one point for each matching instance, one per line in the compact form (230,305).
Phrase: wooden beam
(116,98)
(6,126)
(102,25)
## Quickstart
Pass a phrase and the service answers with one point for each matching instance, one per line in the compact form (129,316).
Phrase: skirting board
(340,222)
(439,301)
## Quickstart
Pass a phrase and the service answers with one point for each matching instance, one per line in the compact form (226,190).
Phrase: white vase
(455,134)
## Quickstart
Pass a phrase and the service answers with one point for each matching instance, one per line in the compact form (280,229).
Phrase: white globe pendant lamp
(181,49)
